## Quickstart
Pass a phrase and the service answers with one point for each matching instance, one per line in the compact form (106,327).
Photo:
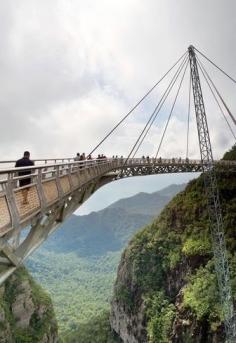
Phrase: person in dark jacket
(25,162)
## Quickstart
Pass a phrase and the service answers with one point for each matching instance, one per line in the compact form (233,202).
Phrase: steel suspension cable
(145,127)
(172,108)
(217,101)
(159,105)
(137,104)
(218,93)
(216,65)
(221,98)
(189,106)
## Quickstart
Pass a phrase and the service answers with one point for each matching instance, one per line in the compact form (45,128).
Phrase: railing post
(39,186)
(69,176)
(12,202)
(58,183)
(15,217)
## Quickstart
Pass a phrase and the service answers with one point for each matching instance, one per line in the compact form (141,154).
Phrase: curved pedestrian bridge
(57,188)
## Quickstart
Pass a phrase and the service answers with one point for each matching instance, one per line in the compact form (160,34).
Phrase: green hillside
(148,204)
(97,233)
(80,287)
(78,264)
(166,283)
(95,330)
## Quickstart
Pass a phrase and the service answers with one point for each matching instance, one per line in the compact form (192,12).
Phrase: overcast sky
(70,69)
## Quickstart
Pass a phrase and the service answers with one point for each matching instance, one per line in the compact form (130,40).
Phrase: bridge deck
(56,190)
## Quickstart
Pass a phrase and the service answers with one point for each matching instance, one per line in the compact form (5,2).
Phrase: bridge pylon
(214,207)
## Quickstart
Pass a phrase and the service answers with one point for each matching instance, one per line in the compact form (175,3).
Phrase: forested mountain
(148,204)
(166,288)
(96,233)
(111,228)
(78,263)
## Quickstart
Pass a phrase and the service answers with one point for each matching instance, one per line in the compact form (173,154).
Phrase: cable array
(137,104)
(189,107)
(157,109)
(179,65)
(171,111)
(213,63)
(160,104)
(210,83)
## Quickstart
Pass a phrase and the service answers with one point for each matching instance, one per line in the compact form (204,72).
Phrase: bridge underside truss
(55,192)
(160,169)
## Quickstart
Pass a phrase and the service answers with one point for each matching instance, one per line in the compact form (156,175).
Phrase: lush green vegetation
(96,330)
(80,287)
(77,265)
(201,293)
(231,154)
(161,314)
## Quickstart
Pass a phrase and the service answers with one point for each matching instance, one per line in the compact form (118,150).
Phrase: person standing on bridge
(77,157)
(25,162)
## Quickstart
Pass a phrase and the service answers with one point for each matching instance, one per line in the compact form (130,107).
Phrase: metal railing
(70,165)
(40,161)
(44,185)
(49,183)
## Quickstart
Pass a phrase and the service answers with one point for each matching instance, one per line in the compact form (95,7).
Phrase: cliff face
(26,311)
(166,285)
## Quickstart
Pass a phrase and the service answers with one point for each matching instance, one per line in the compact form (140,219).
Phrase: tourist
(77,157)
(25,162)
(89,159)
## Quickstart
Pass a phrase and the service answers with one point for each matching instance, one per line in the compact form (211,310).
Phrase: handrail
(43,166)
(92,162)
(41,159)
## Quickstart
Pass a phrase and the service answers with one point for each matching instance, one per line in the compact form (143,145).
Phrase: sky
(126,188)
(71,69)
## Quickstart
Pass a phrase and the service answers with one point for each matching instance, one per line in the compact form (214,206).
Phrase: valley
(77,265)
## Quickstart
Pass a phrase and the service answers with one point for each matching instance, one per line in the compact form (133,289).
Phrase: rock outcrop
(26,311)
(166,289)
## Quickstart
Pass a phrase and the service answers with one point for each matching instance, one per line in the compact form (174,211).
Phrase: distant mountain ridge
(111,228)
(78,263)
(148,203)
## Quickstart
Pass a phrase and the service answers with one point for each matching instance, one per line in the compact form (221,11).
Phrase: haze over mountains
(109,229)
(78,263)
(148,203)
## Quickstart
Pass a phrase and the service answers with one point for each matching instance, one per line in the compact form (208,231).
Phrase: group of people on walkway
(148,159)
(26,162)
(82,157)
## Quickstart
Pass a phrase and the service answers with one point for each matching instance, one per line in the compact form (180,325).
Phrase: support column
(214,207)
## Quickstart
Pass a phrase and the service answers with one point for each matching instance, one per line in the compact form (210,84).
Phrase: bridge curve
(58,187)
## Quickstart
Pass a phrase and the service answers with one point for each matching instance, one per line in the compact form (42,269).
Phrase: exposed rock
(2,315)
(23,306)
(26,312)
(130,329)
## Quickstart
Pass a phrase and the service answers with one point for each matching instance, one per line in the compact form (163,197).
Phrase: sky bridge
(57,189)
